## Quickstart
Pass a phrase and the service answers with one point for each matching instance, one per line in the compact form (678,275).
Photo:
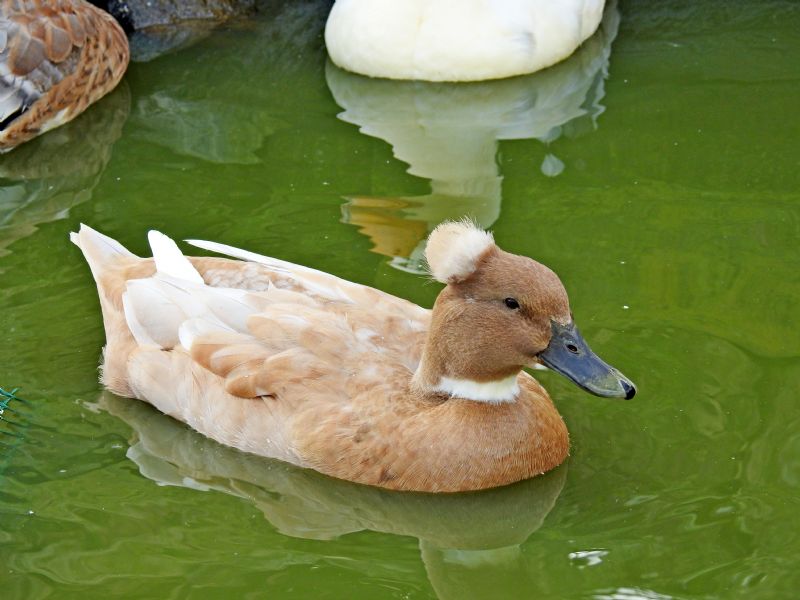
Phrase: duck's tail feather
(99,250)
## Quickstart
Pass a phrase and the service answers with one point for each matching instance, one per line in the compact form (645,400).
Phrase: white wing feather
(170,260)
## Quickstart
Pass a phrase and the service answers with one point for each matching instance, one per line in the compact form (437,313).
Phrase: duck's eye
(511,303)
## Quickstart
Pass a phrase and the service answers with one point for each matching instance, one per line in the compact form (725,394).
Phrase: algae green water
(657,171)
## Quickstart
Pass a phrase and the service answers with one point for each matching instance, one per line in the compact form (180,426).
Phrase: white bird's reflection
(448,133)
(478,532)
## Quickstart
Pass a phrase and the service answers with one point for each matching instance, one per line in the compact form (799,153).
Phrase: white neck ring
(491,392)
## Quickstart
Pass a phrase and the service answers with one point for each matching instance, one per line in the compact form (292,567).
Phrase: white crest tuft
(454,249)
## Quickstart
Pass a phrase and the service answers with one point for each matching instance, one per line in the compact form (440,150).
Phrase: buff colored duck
(56,58)
(287,362)
(456,40)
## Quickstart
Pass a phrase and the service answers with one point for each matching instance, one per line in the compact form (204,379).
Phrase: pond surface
(657,171)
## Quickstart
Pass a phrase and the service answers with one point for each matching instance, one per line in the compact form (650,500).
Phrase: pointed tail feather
(100,250)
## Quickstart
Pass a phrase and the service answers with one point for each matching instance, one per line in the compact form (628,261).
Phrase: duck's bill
(569,355)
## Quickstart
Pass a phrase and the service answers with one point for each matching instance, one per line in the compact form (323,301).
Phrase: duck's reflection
(448,133)
(474,532)
(42,179)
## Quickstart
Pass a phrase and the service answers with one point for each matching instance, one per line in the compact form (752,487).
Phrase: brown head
(501,312)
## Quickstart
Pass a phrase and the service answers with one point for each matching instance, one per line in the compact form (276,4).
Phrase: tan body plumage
(56,58)
(291,363)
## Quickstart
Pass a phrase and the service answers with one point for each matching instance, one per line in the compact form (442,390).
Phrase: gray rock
(156,27)
(136,15)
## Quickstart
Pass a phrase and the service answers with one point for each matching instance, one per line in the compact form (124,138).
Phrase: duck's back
(247,352)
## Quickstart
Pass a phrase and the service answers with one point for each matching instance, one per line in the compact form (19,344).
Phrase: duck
(56,59)
(295,364)
(456,40)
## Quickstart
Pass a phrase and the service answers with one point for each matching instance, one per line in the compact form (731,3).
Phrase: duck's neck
(445,369)
(496,391)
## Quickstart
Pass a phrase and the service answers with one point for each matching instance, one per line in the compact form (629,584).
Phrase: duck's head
(501,312)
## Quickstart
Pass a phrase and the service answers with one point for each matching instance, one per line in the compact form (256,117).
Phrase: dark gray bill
(569,355)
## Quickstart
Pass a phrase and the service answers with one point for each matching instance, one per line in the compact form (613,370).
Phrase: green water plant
(5,407)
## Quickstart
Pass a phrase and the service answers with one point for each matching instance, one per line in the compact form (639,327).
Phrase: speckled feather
(56,58)
(317,371)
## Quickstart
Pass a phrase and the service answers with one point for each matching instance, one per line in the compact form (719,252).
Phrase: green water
(657,172)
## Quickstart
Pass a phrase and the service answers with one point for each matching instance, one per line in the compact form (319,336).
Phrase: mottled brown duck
(56,58)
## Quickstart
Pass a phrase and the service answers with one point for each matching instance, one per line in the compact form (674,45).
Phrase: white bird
(457,40)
